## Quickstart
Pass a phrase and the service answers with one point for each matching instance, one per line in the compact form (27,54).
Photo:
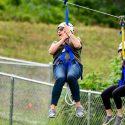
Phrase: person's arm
(54,47)
(75,41)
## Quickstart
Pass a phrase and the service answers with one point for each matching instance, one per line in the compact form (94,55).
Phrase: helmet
(120,46)
(69,24)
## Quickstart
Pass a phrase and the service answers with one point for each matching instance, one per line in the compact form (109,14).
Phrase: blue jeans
(66,73)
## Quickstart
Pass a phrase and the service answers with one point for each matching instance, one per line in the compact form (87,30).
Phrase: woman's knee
(115,94)
(60,79)
(71,77)
(104,95)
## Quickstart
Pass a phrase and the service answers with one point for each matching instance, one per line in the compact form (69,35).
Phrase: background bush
(52,11)
(96,81)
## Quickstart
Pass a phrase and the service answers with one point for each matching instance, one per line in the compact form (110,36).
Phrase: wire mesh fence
(4,100)
(31,101)
(25,101)
(29,104)
(26,69)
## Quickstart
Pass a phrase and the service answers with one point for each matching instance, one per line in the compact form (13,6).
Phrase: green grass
(31,41)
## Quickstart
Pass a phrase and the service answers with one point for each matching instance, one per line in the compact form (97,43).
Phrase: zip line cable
(104,13)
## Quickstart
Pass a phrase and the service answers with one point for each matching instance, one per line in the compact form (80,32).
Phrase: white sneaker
(118,120)
(79,111)
(107,120)
(52,113)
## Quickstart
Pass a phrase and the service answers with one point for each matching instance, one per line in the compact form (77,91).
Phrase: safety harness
(60,58)
(63,54)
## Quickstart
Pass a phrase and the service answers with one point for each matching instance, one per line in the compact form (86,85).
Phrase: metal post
(11,101)
(89,107)
(50,78)
(51,72)
(50,81)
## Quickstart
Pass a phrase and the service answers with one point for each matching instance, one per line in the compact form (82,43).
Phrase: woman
(67,66)
(115,92)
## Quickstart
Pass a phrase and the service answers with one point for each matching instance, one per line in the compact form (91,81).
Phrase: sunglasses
(120,50)
(60,29)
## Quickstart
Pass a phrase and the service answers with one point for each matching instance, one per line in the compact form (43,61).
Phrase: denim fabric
(66,73)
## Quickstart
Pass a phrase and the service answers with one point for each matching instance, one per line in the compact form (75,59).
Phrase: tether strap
(67,20)
(65,1)
(66,12)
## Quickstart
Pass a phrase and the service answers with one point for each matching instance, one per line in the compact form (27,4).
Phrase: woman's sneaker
(118,120)
(52,113)
(79,111)
(107,120)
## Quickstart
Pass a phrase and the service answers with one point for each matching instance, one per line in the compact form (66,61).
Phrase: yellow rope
(123,53)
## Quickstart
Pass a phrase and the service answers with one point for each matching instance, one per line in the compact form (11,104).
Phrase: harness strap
(66,12)
(122,80)
(67,49)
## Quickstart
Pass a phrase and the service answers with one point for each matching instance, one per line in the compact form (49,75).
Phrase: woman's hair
(69,24)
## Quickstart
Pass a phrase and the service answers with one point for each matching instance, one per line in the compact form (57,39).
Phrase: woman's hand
(64,37)
(67,30)
(54,47)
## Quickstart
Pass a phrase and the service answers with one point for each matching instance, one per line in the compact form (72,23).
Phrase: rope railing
(26,79)
(22,62)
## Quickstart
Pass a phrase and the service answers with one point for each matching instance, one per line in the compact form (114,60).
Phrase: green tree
(15,2)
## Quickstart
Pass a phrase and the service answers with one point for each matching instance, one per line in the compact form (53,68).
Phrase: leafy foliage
(15,2)
(95,81)
(52,11)
(116,70)
(111,7)
(92,81)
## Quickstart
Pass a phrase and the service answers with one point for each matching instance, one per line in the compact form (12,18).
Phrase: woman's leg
(60,78)
(117,94)
(106,95)
(73,74)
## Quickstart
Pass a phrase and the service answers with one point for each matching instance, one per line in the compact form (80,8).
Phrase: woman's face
(60,32)
(120,54)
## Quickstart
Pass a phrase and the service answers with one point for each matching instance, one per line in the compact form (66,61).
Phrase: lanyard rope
(122,32)
(121,22)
